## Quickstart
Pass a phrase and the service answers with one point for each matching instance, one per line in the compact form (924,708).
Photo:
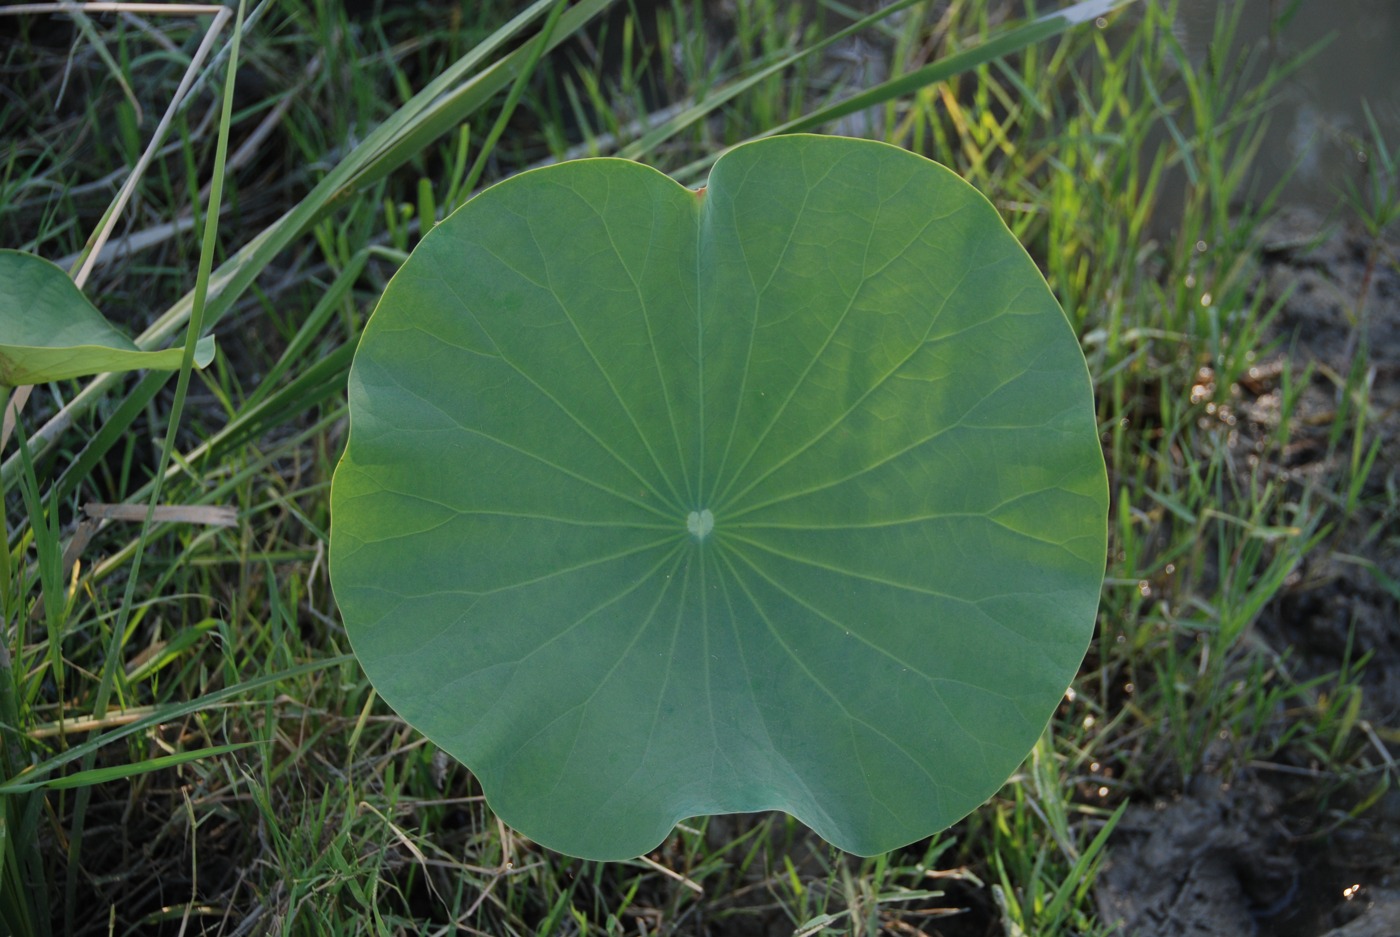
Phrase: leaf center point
(700,523)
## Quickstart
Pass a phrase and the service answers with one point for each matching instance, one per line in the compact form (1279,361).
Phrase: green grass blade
(999,46)
(536,50)
(118,772)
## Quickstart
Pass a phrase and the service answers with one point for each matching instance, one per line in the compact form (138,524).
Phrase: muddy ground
(1272,851)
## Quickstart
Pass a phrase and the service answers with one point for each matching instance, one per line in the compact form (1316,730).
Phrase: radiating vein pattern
(785,494)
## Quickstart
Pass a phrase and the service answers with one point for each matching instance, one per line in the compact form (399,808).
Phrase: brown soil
(1356,585)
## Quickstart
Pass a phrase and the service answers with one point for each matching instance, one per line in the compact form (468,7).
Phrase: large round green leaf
(783,494)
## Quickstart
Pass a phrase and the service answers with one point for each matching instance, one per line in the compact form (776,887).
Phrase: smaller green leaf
(50,331)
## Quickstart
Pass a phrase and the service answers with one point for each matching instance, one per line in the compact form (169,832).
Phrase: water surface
(1319,125)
